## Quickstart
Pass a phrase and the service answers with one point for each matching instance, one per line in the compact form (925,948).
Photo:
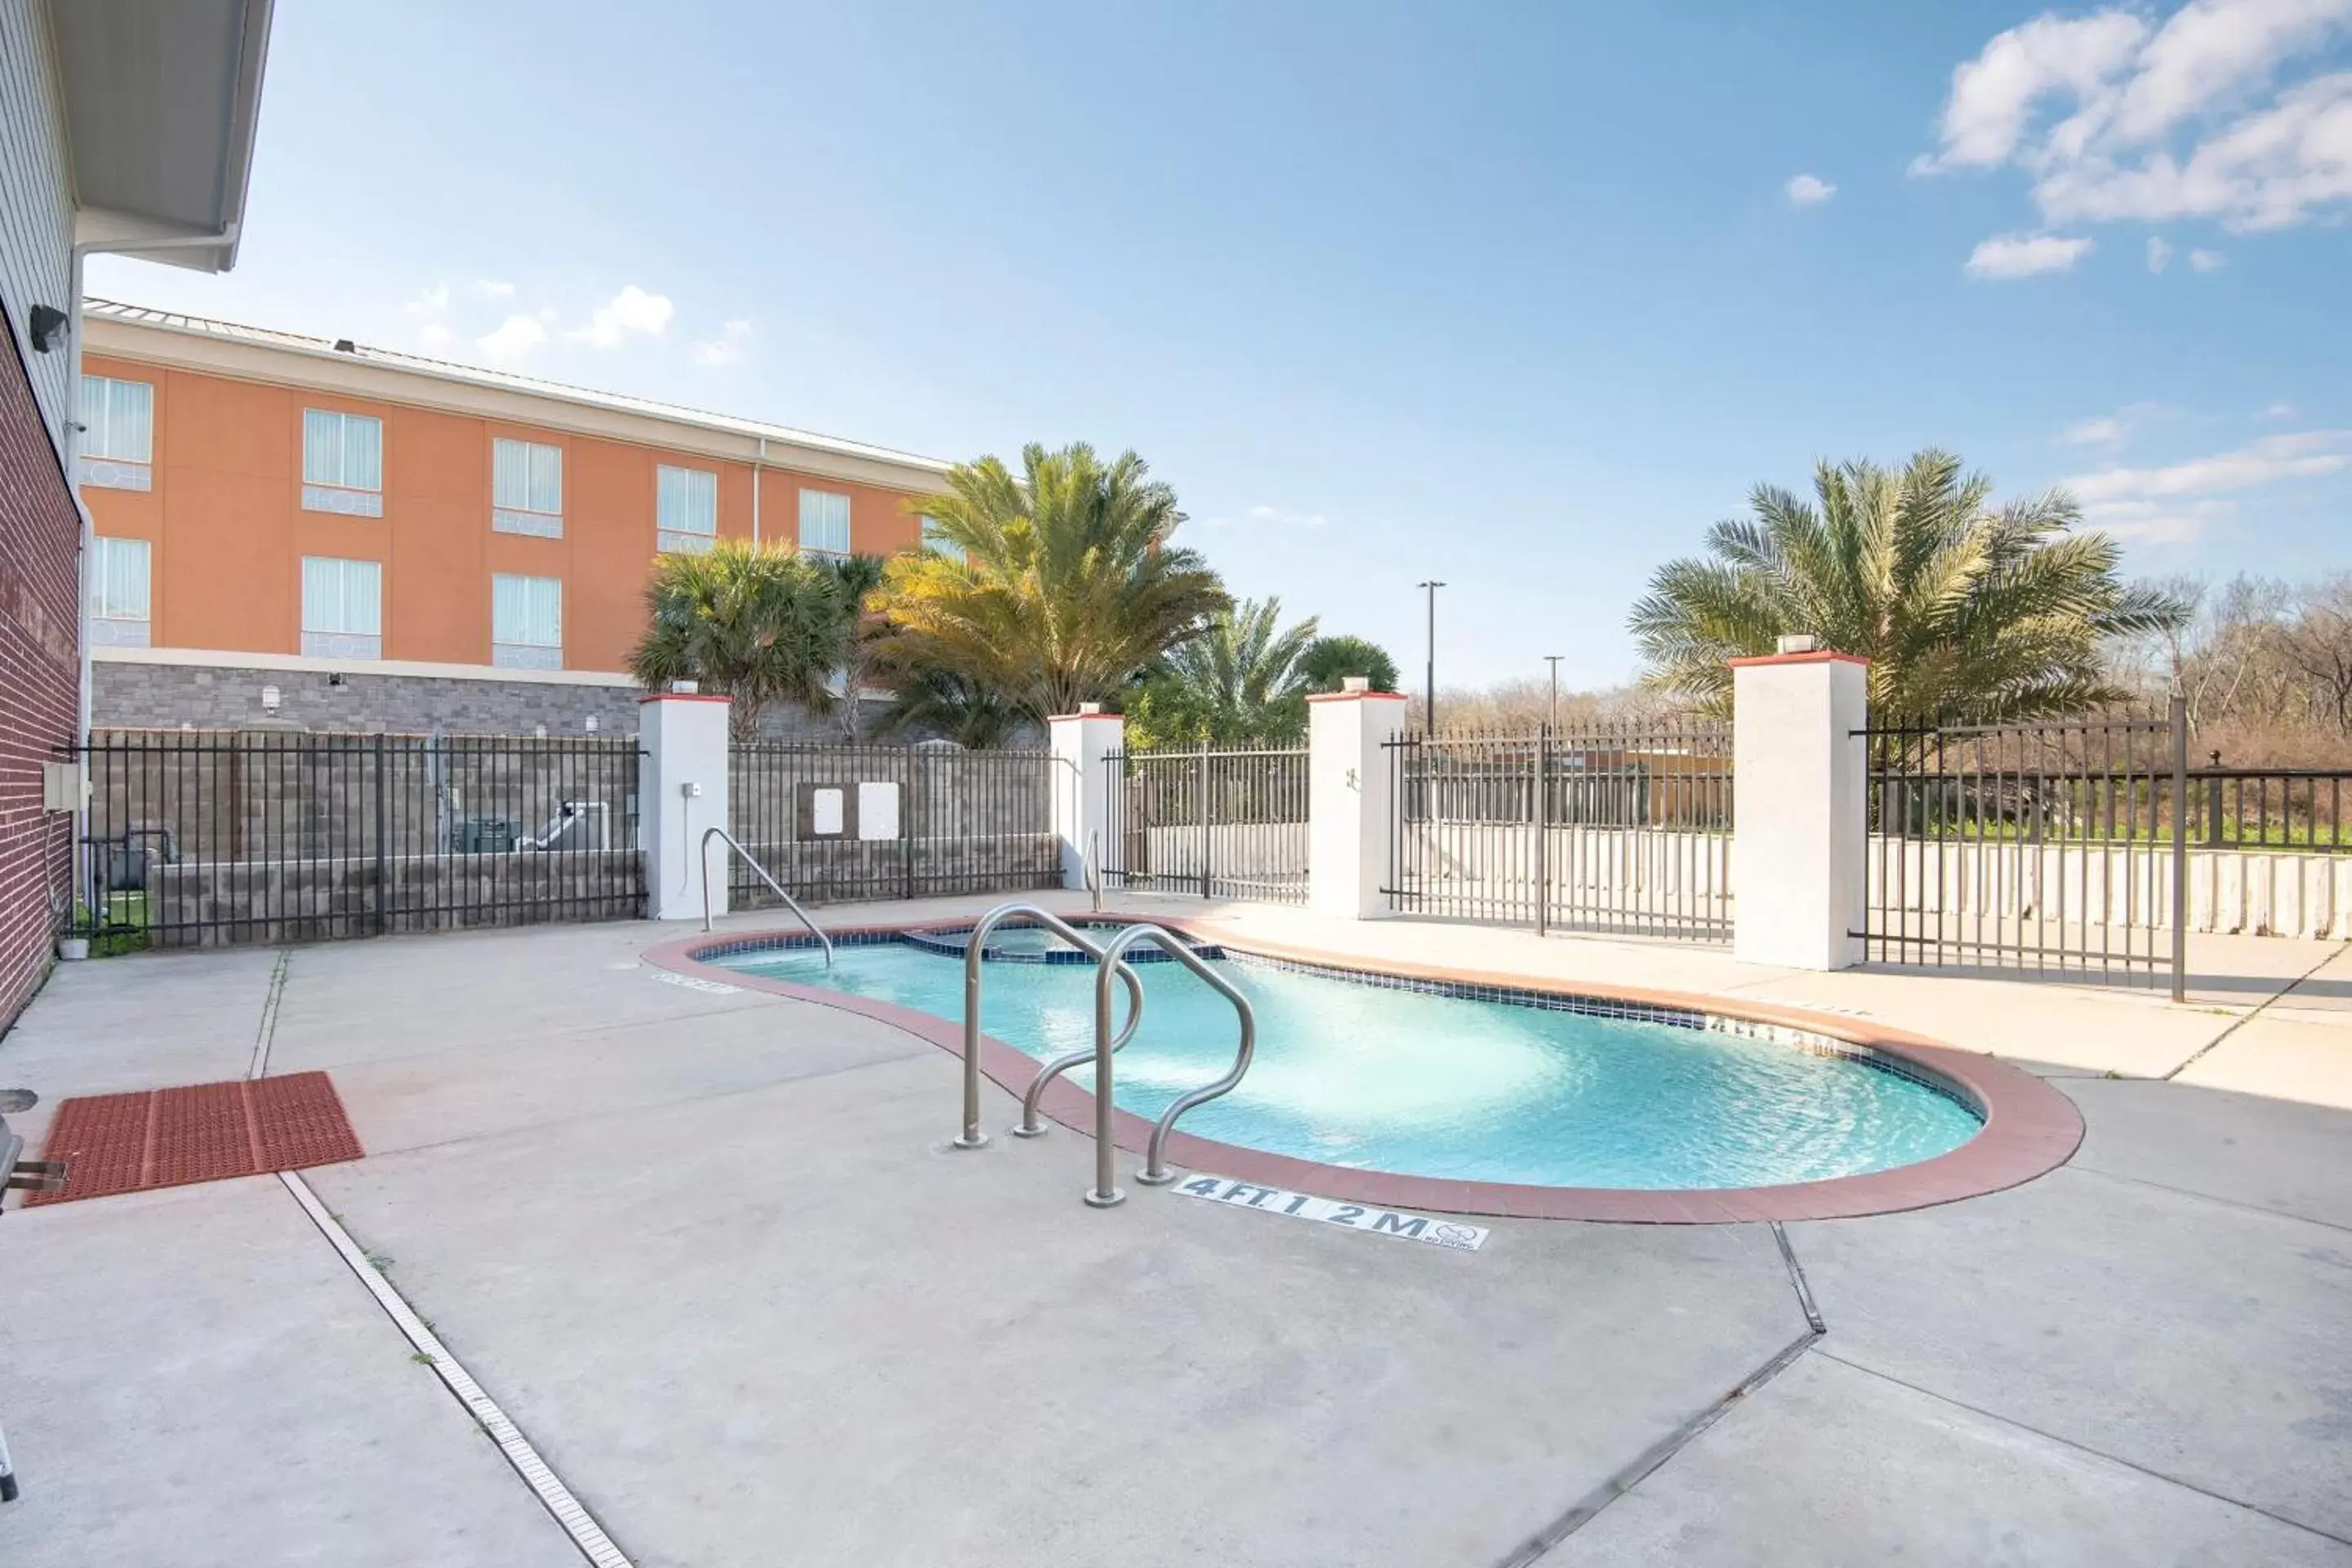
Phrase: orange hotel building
(295,530)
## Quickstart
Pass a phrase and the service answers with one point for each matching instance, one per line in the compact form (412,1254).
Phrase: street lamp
(1429,701)
(1553,659)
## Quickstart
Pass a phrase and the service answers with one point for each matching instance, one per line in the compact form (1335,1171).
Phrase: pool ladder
(1110,961)
(773,886)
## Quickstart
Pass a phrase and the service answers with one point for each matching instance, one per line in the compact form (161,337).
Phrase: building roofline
(264,354)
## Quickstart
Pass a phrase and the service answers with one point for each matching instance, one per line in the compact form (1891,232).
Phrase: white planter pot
(73,948)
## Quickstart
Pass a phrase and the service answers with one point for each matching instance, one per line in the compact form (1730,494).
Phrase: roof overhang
(161,99)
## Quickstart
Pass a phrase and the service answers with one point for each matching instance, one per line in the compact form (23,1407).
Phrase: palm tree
(1980,612)
(942,702)
(1242,684)
(1329,661)
(856,579)
(758,623)
(1061,585)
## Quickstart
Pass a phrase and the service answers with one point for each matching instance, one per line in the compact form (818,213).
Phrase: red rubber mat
(205,1133)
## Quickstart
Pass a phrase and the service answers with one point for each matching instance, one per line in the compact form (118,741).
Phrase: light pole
(1429,700)
(1553,659)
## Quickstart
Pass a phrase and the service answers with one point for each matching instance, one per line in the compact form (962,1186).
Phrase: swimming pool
(1370,1073)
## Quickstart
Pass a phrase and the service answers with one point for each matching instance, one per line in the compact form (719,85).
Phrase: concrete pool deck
(708,1251)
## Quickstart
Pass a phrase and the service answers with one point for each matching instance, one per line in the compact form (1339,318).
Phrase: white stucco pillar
(681,792)
(1349,800)
(1797,847)
(1082,792)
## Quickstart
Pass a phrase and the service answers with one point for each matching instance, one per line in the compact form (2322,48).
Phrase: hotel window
(343,608)
(824,523)
(687,508)
(117,435)
(526,622)
(526,488)
(342,463)
(934,540)
(116,603)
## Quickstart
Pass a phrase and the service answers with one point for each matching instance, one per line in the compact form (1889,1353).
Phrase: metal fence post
(1543,831)
(1207,879)
(383,893)
(2179,847)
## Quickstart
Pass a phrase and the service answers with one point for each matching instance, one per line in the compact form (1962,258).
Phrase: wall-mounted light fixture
(49,324)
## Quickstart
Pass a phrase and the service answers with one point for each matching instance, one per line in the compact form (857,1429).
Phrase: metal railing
(975,953)
(1111,959)
(2059,846)
(1223,824)
(850,821)
(2294,809)
(1623,828)
(204,838)
(775,887)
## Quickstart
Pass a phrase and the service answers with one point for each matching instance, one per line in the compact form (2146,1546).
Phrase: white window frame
(523,646)
(818,519)
(936,541)
(685,508)
(340,623)
(119,604)
(526,487)
(343,462)
(116,447)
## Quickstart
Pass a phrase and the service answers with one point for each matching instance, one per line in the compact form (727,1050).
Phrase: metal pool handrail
(976,946)
(773,886)
(1155,1172)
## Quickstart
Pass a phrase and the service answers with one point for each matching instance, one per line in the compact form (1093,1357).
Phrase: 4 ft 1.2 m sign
(1423,1228)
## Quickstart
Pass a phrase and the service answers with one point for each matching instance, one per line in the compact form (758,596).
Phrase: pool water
(1432,1085)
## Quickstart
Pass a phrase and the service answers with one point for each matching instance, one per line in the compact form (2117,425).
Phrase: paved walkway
(709,1252)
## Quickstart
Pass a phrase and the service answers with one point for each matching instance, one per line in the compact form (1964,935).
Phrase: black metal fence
(2049,847)
(2295,809)
(205,837)
(834,823)
(1621,828)
(1224,824)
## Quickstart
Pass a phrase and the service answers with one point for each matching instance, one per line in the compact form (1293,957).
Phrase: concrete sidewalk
(708,1250)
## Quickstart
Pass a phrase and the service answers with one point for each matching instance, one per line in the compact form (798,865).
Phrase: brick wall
(40,682)
(141,696)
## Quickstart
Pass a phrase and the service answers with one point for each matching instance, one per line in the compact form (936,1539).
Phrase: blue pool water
(1430,1084)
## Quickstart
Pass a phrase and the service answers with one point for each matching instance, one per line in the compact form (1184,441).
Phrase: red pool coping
(2030,1128)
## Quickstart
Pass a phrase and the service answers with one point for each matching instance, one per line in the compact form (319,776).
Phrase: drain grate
(205,1133)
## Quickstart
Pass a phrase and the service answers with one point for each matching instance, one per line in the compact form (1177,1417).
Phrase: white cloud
(2262,462)
(2103,431)
(2279,411)
(1994,95)
(632,312)
(494,288)
(2174,503)
(2023,254)
(733,343)
(2159,253)
(430,303)
(1809,190)
(2207,261)
(434,335)
(2114,120)
(2159,522)
(514,338)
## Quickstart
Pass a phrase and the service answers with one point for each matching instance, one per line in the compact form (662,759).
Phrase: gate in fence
(1227,824)
(2057,847)
(834,823)
(210,838)
(1621,828)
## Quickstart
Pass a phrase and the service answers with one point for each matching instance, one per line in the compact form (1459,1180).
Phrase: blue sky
(1520,297)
